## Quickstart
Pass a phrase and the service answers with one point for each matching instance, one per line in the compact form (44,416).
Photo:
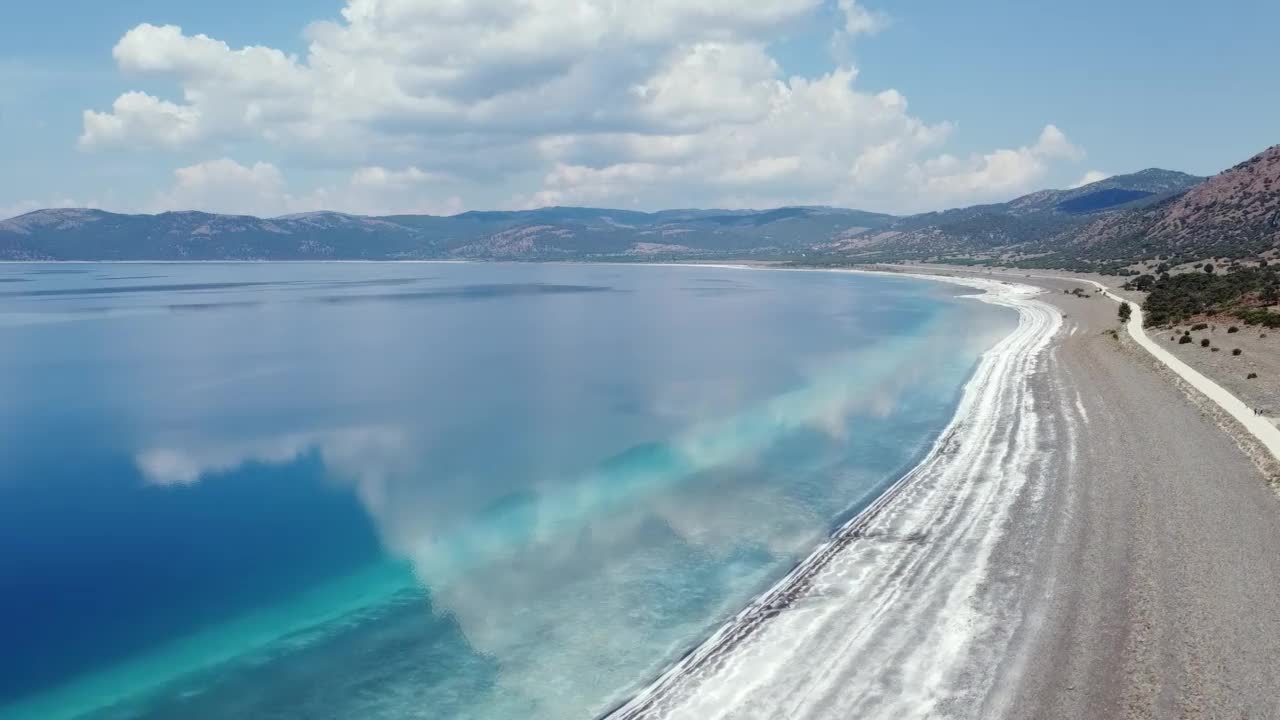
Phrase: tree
(1125,312)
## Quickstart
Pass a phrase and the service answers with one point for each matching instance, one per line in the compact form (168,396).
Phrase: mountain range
(1105,226)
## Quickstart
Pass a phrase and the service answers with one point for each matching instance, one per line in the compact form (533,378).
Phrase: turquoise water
(430,490)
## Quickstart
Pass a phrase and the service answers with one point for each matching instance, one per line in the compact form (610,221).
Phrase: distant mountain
(1234,215)
(1107,193)
(1120,224)
(1031,224)
(543,234)
(1105,226)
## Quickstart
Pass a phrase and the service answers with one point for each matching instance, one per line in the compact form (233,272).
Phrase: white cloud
(22,207)
(998,174)
(139,119)
(381,178)
(19,208)
(1089,178)
(226,186)
(558,101)
(858,20)
(1054,144)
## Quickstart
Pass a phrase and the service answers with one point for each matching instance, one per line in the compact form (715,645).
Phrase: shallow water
(430,490)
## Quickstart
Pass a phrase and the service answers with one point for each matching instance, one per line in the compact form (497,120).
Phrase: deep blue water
(430,490)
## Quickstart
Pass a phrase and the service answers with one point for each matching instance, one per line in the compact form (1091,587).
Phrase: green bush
(1233,329)
(1237,351)
(1251,376)
(1184,340)
(1259,316)
(1175,298)
(1204,342)
(1200,326)
(1125,312)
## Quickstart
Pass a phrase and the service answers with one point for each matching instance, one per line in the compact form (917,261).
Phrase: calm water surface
(430,490)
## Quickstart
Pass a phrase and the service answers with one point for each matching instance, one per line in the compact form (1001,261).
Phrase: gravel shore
(1098,542)
(1259,354)
(1154,565)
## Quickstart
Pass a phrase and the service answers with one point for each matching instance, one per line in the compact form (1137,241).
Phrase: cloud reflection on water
(514,569)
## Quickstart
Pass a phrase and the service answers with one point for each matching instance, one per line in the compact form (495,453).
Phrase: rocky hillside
(545,234)
(1232,214)
(1114,226)
(1028,226)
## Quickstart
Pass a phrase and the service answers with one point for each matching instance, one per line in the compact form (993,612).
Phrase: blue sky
(417,107)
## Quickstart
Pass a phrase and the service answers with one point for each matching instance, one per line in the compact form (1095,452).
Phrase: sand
(1092,545)
(891,616)
(1155,567)
(1258,354)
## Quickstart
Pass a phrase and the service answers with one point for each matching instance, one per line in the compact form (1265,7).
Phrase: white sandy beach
(892,616)
(1084,541)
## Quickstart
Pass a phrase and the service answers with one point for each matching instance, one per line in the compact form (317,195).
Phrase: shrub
(1259,316)
(1214,349)
(1142,282)
(1204,342)
(1233,329)
(1252,376)
(1200,326)
(1237,351)
(1125,312)
(1184,340)
(1178,297)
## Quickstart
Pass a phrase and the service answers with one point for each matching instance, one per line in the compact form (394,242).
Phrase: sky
(443,106)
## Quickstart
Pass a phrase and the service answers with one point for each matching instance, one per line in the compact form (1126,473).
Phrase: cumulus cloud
(139,119)
(19,208)
(22,207)
(999,173)
(858,20)
(564,101)
(1089,178)
(226,186)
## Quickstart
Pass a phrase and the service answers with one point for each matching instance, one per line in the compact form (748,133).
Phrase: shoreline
(92,684)
(1146,564)
(1091,546)
(1010,361)
(1259,431)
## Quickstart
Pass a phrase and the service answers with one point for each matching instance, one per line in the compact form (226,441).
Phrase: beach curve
(895,614)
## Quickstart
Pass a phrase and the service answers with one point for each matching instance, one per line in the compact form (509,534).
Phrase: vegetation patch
(1245,293)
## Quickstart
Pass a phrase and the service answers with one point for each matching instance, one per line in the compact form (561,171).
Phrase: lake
(430,490)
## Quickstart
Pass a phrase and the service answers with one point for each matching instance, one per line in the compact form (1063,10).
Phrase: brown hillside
(1234,213)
